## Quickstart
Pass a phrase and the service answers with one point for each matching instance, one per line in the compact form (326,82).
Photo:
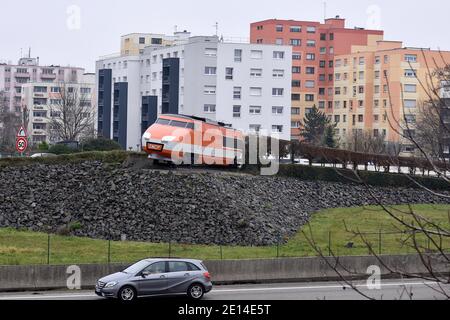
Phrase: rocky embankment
(107,201)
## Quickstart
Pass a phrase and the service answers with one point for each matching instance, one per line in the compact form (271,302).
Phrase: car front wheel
(127,294)
(196,291)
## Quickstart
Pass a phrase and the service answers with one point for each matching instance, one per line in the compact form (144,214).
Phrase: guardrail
(26,278)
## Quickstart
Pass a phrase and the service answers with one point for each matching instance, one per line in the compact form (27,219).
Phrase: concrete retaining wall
(24,278)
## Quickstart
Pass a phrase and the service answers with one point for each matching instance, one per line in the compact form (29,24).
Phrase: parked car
(152,277)
(43,155)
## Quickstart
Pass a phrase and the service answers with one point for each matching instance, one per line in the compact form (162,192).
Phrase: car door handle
(162,277)
(187,274)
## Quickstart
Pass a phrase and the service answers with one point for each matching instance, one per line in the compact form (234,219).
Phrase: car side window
(178,266)
(156,268)
(193,267)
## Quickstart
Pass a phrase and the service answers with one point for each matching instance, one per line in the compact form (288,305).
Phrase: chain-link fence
(54,249)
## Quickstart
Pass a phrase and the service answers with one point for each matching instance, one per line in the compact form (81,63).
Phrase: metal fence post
(329,243)
(379,242)
(109,251)
(48,248)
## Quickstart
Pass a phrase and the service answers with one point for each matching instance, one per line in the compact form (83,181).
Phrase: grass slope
(18,247)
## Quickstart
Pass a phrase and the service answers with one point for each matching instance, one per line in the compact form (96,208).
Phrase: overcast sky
(77,32)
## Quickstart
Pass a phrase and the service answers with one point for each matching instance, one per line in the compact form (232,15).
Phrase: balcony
(48,76)
(22,75)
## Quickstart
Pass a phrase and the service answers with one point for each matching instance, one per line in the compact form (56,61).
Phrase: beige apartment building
(377,86)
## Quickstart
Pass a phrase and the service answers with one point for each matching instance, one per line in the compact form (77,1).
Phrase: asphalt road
(390,290)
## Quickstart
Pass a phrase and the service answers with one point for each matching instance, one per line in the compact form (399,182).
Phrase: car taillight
(207,276)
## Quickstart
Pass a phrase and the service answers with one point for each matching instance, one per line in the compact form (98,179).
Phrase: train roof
(205,120)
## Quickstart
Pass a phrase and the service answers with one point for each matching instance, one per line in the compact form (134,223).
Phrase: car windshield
(135,268)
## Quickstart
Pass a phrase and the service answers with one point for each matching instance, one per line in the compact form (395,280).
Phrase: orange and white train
(183,139)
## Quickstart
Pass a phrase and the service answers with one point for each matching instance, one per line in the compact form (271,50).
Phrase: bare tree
(365,142)
(429,132)
(72,115)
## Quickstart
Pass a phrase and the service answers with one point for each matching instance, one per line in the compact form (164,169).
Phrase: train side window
(190,125)
(163,121)
(179,124)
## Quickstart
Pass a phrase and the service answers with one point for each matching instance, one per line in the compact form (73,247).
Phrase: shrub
(61,149)
(100,144)
(43,146)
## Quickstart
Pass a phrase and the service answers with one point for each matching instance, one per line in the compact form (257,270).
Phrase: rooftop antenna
(29,52)
(176,28)
(216,25)
(324,10)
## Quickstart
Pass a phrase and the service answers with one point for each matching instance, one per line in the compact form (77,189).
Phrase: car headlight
(147,135)
(168,139)
(111,284)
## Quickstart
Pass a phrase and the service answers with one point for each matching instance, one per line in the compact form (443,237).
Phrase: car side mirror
(145,274)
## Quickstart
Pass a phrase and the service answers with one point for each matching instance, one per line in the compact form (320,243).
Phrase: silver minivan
(152,277)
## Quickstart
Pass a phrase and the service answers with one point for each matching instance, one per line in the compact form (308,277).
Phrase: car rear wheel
(196,291)
(127,294)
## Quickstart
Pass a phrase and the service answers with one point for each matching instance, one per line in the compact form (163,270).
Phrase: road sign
(21,144)
(21,133)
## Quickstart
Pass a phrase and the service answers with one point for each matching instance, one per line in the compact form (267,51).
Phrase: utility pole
(324,10)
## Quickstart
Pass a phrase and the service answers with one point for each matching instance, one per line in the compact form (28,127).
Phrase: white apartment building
(39,99)
(247,86)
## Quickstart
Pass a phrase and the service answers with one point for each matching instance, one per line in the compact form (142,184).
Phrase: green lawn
(23,247)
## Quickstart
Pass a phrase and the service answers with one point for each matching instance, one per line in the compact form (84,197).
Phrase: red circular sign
(21,145)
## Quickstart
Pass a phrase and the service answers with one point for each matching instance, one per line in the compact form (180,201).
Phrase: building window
(311,43)
(410,103)
(237,93)
(309,97)
(409,73)
(296,69)
(295,111)
(296,56)
(277,110)
(255,128)
(310,70)
(295,97)
(141,40)
(40,89)
(331,36)
(256,91)
(296,83)
(277,92)
(296,42)
(311,29)
(209,108)
(211,52)
(278,73)
(210,71)
(360,118)
(410,118)
(412,58)
(256,54)
(236,111)
(228,73)
(323,37)
(255,110)
(310,56)
(279,28)
(210,90)
(278,54)
(410,88)
(237,55)
(296,29)
(256,73)
(277,128)
(310,84)
(322,64)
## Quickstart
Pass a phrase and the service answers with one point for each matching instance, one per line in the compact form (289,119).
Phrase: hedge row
(106,157)
(371,178)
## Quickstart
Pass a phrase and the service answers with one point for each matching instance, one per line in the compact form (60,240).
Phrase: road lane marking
(414,284)
(68,296)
